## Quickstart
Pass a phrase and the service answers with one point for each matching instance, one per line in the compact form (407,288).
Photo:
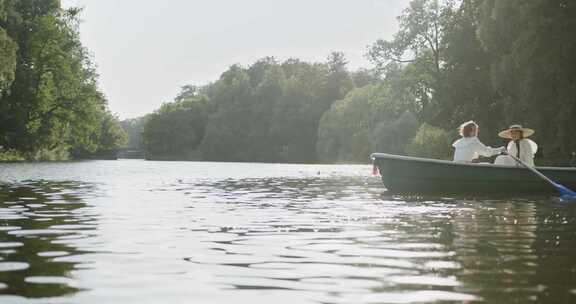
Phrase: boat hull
(402,174)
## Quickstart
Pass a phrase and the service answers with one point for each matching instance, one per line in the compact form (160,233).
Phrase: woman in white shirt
(519,146)
(469,146)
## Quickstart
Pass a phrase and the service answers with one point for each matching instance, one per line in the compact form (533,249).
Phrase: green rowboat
(412,175)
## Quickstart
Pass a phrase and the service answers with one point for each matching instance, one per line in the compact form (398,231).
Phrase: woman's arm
(484,150)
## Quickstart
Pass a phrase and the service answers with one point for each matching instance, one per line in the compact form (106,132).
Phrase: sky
(145,50)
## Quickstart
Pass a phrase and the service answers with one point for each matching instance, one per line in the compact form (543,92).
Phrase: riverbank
(55,155)
(11,156)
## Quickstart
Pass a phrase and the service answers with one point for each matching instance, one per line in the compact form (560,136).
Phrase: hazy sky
(146,50)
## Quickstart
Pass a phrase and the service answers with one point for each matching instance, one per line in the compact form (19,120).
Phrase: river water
(133,231)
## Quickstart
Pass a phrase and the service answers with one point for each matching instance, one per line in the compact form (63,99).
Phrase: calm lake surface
(197,232)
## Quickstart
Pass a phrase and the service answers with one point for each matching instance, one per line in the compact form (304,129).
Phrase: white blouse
(527,150)
(469,148)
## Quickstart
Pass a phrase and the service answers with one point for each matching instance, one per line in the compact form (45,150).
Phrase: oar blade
(566,195)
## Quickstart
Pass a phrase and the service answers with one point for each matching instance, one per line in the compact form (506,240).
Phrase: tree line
(50,103)
(496,62)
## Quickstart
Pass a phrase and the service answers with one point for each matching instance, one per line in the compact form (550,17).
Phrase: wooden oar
(566,194)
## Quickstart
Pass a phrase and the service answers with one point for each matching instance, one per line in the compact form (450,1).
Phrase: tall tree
(175,130)
(228,130)
(7,51)
(368,119)
(421,43)
(338,82)
(534,71)
(54,101)
(134,128)
(466,90)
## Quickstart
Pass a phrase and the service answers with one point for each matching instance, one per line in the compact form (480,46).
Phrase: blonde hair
(466,128)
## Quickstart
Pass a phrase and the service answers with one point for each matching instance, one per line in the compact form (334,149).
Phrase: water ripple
(121,232)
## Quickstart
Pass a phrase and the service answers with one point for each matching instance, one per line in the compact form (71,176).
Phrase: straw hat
(526,132)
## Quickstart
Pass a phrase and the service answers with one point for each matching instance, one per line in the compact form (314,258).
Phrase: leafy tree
(268,111)
(344,131)
(431,142)
(188,91)
(7,52)
(298,112)
(421,43)
(369,119)
(176,129)
(395,135)
(112,136)
(53,102)
(338,82)
(467,91)
(134,128)
(533,69)
(364,77)
(267,95)
(228,130)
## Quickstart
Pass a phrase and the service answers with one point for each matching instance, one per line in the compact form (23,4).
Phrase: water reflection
(501,247)
(341,239)
(34,218)
(168,233)
(334,239)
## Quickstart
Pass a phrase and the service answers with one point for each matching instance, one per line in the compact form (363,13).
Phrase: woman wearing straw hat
(519,146)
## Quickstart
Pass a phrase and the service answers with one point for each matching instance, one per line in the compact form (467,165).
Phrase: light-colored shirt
(527,150)
(469,148)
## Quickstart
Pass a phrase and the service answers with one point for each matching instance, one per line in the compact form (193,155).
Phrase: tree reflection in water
(500,250)
(38,221)
(515,251)
(324,239)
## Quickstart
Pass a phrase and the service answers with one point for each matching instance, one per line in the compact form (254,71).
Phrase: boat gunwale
(375,156)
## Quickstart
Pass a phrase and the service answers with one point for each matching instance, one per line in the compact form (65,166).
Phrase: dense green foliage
(369,119)
(11,155)
(7,52)
(430,141)
(496,62)
(134,128)
(269,111)
(49,100)
(184,123)
(534,66)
